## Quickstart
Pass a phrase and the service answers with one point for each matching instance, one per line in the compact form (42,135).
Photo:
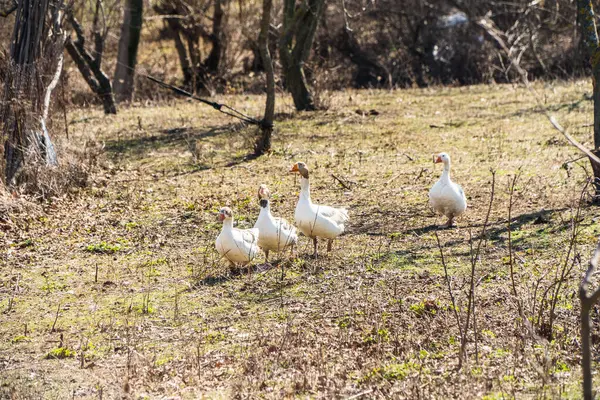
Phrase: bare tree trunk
(588,300)
(370,71)
(91,66)
(263,143)
(36,47)
(299,27)
(123,81)
(213,61)
(586,19)
(185,29)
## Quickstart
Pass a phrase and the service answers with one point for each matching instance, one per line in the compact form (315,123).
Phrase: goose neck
(265,208)
(446,172)
(228,224)
(305,188)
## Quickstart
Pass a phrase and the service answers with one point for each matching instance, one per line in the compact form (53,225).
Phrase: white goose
(239,246)
(276,234)
(315,220)
(446,197)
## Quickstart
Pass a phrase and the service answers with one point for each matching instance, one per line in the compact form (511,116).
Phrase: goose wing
(337,215)
(249,237)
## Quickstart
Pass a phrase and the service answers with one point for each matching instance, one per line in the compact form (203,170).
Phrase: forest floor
(116,290)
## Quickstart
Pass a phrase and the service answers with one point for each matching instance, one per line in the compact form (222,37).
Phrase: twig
(565,271)
(474,258)
(55,319)
(356,396)
(341,182)
(510,250)
(447,277)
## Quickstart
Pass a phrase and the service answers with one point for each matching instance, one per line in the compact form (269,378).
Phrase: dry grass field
(116,290)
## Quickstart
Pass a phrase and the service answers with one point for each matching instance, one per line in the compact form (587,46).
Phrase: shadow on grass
(174,137)
(496,232)
(569,106)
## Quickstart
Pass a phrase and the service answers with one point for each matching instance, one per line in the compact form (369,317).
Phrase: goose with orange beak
(239,246)
(275,234)
(314,220)
(446,197)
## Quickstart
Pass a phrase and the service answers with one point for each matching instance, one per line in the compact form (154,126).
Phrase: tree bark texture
(298,32)
(263,143)
(123,81)
(36,47)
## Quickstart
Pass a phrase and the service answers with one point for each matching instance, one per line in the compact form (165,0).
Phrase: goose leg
(329,245)
(450,223)
(315,244)
(266,257)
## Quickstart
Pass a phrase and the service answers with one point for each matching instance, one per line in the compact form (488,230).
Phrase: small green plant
(131,225)
(344,322)
(51,286)
(376,336)
(396,372)
(25,243)
(424,307)
(390,372)
(59,353)
(559,367)
(20,338)
(163,360)
(103,248)
(501,353)
(215,337)
(488,333)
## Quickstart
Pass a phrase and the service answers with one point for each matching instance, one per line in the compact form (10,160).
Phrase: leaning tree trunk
(90,65)
(299,27)
(589,32)
(123,81)
(263,143)
(36,49)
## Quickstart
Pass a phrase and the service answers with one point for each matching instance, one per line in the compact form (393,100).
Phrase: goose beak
(294,168)
(437,159)
(221,217)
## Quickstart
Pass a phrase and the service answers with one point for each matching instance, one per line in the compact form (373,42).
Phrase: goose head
(441,158)
(263,195)
(301,168)
(225,214)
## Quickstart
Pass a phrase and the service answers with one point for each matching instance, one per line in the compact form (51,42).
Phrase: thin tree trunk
(123,82)
(213,61)
(263,143)
(299,27)
(589,33)
(588,300)
(186,32)
(370,71)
